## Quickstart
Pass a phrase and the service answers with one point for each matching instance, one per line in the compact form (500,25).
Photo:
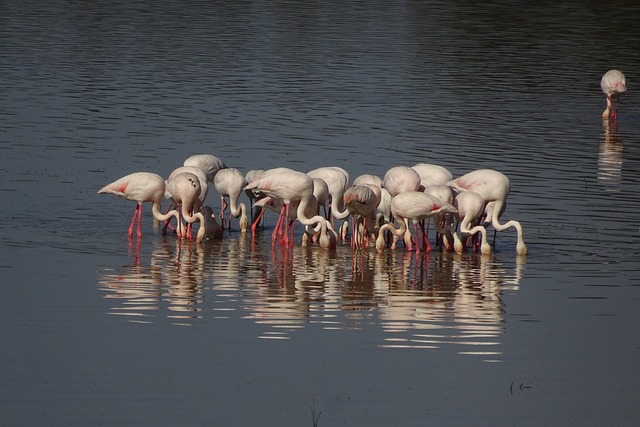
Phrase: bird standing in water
(613,85)
(141,187)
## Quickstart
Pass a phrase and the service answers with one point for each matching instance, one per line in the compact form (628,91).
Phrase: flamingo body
(208,163)
(400,179)
(431,174)
(140,187)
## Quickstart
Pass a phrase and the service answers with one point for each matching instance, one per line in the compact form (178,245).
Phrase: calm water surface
(100,329)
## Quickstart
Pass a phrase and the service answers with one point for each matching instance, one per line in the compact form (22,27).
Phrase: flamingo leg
(291,227)
(139,221)
(256,222)
(136,213)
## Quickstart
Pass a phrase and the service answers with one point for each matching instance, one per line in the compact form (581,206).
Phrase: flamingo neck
(157,213)
(606,113)
(380,242)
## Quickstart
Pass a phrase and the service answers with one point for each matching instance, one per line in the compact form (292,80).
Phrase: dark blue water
(100,329)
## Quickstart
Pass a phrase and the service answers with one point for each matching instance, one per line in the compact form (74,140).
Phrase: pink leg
(277,232)
(415,233)
(292,224)
(133,219)
(139,220)
(255,223)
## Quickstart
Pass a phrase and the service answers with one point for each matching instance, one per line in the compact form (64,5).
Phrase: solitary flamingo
(613,85)
(470,206)
(229,182)
(415,206)
(141,187)
(290,185)
(208,163)
(493,186)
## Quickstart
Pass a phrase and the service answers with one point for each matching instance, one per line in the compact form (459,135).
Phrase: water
(98,329)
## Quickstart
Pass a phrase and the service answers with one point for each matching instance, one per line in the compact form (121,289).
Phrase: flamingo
(290,185)
(361,202)
(141,187)
(493,186)
(415,206)
(204,188)
(470,206)
(202,179)
(383,210)
(431,174)
(613,85)
(337,180)
(208,163)
(184,188)
(399,179)
(229,182)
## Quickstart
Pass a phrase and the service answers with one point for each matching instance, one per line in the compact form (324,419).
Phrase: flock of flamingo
(380,209)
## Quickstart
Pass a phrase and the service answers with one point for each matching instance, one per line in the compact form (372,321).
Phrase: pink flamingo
(383,210)
(290,185)
(415,206)
(184,189)
(202,180)
(494,187)
(229,182)
(337,180)
(613,85)
(399,179)
(470,207)
(141,187)
(361,202)
(204,188)
(208,163)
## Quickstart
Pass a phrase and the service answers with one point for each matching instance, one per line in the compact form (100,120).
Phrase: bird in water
(613,85)
(229,182)
(290,185)
(470,207)
(141,187)
(494,188)
(184,190)
(415,206)
(212,230)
